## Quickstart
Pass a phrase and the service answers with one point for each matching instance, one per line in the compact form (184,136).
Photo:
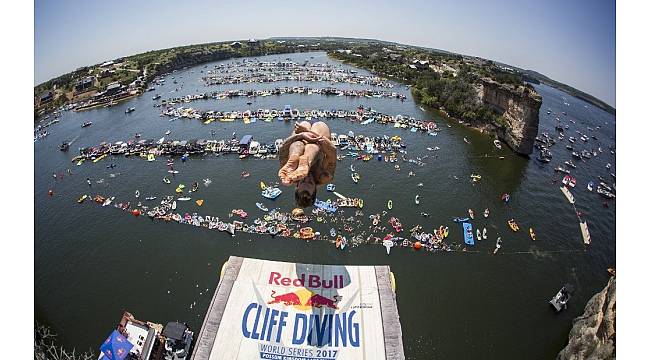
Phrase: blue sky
(573,42)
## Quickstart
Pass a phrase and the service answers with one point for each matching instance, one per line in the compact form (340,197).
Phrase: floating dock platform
(289,311)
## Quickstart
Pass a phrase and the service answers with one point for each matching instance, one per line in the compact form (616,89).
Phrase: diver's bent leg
(296,149)
(305,162)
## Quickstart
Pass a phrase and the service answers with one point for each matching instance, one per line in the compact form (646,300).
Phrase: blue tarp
(469,234)
(116,346)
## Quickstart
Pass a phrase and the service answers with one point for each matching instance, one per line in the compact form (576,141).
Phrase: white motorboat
(560,300)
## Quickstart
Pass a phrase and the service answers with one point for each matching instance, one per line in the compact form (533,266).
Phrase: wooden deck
(212,320)
(246,281)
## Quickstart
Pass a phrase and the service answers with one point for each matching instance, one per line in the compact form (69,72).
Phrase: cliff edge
(518,110)
(593,335)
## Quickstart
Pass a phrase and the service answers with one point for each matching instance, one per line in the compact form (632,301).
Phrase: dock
(265,309)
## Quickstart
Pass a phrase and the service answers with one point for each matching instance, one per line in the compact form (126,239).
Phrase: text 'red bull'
(312,281)
(263,323)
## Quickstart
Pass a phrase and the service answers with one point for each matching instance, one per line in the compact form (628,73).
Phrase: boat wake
(73,140)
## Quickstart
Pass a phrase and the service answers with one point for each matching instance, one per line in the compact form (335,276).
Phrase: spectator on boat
(308,160)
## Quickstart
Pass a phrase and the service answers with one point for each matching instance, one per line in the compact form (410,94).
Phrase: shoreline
(103,104)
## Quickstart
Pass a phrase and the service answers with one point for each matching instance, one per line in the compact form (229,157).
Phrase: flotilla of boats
(360,114)
(266,72)
(251,93)
(384,147)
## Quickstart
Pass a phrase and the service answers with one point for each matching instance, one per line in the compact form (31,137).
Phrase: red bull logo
(287,299)
(319,301)
(303,299)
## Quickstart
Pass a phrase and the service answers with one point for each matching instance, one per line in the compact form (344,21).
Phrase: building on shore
(45,97)
(84,84)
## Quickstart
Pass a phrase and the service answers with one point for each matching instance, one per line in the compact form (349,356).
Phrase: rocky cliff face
(593,335)
(520,110)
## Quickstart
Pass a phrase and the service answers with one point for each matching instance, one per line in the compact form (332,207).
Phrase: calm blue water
(93,262)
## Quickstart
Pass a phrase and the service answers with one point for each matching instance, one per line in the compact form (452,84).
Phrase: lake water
(94,262)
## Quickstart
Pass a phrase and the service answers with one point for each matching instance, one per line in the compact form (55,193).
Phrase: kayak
(339,195)
(468,234)
(532,234)
(390,204)
(199,202)
(417,199)
(262,185)
(80,162)
(99,158)
(82,198)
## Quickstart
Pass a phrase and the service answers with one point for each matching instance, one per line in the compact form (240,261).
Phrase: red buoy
(136,212)
(417,245)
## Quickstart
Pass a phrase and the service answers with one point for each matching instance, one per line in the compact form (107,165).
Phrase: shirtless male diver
(308,160)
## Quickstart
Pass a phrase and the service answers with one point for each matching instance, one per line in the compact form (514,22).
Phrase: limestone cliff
(519,111)
(593,335)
